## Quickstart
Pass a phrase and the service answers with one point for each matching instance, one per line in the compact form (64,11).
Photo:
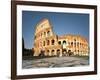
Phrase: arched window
(71,43)
(80,44)
(78,51)
(48,42)
(64,50)
(59,42)
(64,42)
(44,33)
(53,51)
(58,51)
(77,44)
(53,41)
(47,51)
(74,39)
(68,43)
(43,43)
(48,33)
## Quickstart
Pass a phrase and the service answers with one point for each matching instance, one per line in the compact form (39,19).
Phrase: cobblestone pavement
(55,62)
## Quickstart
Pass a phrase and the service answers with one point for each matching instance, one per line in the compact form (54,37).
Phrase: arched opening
(53,41)
(69,53)
(48,33)
(75,40)
(44,33)
(78,51)
(59,42)
(64,42)
(52,52)
(58,52)
(42,53)
(71,43)
(48,52)
(80,45)
(64,52)
(43,43)
(48,42)
(74,44)
(77,44)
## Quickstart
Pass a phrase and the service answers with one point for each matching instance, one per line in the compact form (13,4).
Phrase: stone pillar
(60,53)
(49,52)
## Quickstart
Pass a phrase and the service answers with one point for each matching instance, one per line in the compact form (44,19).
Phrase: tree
(23,48)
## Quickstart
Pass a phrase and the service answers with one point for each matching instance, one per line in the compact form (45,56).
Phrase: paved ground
(55,62)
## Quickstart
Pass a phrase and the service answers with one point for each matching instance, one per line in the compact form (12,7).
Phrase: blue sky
(63,23)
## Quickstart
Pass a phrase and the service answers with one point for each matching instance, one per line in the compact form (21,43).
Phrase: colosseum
(47,43)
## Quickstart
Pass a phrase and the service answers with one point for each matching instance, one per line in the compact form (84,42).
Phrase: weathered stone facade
(47,42)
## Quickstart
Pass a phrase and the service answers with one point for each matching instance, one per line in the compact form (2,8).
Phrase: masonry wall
(50,44)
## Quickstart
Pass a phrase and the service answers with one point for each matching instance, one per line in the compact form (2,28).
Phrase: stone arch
(44,33)
(43,43)
(74,44)
(75,40)
(71,43)
(48,42)
(77,44)
(58,52)
(52,52)
(78,51)
(64,42)
(69,52)
(64,52)
(42,53)
(48,33)
(52,41)
(48,51)
(59,42)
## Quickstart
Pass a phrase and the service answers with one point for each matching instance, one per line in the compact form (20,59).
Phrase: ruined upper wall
(42,25)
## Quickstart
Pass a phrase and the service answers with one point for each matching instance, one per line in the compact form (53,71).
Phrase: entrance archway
(52,52)
(69,53)
(64,52)
(58,52)
(48,52)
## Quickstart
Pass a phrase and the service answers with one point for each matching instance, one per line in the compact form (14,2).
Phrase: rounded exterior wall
(49,44)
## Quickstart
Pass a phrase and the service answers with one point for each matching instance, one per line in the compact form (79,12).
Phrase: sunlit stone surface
(48,42)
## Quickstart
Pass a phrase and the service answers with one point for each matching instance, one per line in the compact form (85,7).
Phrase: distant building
(47,42)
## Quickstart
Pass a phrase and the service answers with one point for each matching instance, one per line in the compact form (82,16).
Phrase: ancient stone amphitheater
(47,43)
